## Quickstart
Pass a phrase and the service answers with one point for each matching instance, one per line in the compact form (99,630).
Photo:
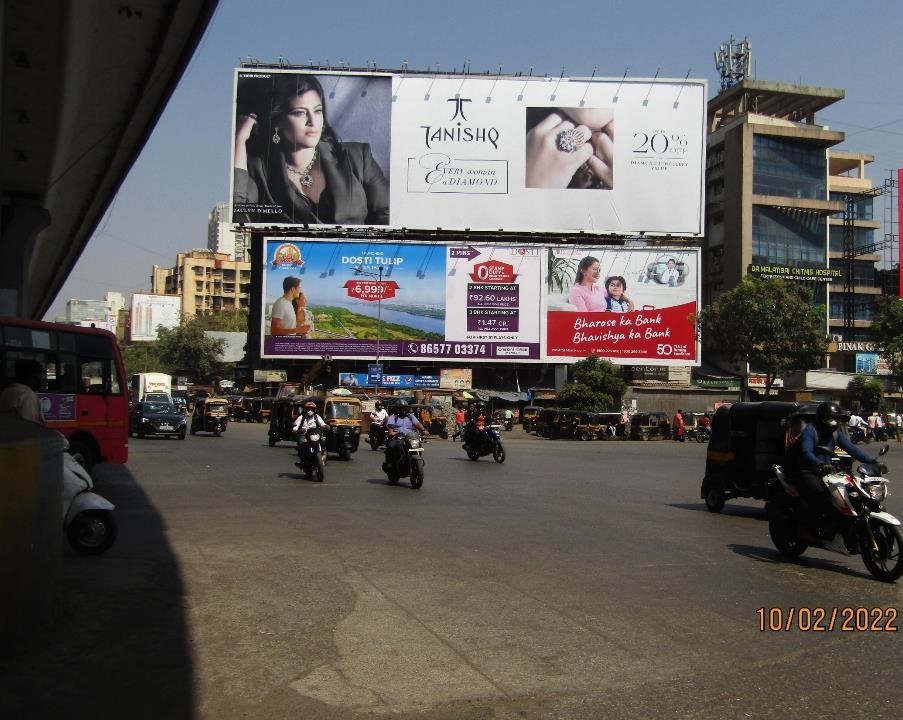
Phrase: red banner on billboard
(664,334)
(371,289)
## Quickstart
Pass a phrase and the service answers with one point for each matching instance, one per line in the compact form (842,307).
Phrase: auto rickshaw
(343,414)
(747,439)
(612,427)
(650,426)
(282,417)
(591,426)
(528,417)
(211,414)
(542,425)
(433,419)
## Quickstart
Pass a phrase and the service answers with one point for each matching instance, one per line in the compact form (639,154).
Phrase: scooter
(859,524)
(87,517)
(480,440)
(311,454)
(405,460)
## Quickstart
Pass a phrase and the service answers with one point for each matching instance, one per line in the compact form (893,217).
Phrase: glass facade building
(788,168)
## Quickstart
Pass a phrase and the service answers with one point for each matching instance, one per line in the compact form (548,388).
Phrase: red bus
(84,393)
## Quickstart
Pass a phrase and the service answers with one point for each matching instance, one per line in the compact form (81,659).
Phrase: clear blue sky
(184,171)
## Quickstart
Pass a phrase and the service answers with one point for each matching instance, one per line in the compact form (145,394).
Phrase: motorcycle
(858,435)
(703,434)
(406,460)
(859,525)
(482,440)
(311,454)
(377,435)
(87,517)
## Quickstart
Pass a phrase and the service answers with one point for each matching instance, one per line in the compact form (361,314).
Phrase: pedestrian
(679,426)
(460,419)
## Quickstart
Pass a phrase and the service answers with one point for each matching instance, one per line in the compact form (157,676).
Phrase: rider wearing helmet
(828,430)
(309,418)
(400,423)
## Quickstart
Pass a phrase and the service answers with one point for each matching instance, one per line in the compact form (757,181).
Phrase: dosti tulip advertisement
(480,303)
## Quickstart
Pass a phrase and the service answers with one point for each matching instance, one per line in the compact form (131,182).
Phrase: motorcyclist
(827,431)
(309,418)
(399,424)
(476,424)
(379,414)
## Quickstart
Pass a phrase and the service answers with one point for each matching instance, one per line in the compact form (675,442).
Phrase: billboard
(150,311)
(482,303)
(400,300)
(631,306)
(468,152)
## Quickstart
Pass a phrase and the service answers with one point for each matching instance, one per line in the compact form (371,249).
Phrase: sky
(184,170)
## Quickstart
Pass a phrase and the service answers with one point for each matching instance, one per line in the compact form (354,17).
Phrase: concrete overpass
(84,83)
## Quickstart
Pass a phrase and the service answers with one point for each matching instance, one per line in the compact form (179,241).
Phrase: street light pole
(379,323)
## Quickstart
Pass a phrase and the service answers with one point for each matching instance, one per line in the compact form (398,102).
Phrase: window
(792,239)
(787,168)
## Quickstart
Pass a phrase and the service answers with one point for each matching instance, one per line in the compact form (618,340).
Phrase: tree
(185,350)
(597,386)
(867,391)
(771,325)
(229,320)
(887,330)
(139,357)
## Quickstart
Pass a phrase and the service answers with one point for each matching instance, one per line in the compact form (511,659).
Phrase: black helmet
(401,409)
(379,404)
(829,413)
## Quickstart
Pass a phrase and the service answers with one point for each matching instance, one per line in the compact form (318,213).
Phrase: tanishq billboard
(469,152)
(495,303)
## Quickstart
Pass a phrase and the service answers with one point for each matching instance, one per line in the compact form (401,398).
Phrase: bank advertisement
(631,306)
(456,152)
(400,300)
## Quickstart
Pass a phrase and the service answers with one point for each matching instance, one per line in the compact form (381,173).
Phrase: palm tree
(561,273)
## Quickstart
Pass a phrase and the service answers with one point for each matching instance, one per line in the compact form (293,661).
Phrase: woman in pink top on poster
(586,294)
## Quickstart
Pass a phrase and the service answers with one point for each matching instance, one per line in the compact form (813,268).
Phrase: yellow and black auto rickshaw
(210,414)
(528,417)
(343,414)
(433,419)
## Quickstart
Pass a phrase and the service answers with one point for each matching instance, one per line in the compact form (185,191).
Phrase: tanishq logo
(459,132)
(459,106)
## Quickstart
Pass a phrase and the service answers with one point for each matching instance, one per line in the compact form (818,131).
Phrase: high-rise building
(767,202)
(205,280)
(223,236)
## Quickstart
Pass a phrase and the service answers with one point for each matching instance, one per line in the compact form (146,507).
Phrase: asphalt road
(576,580)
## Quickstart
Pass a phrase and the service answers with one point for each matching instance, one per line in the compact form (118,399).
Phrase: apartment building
(205,280)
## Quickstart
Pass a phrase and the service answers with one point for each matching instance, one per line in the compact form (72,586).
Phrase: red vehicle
(84,393)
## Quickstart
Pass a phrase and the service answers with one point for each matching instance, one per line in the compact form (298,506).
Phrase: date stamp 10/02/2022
(827,619)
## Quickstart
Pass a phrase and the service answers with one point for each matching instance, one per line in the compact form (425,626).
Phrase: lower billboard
(481,303)
(631,306)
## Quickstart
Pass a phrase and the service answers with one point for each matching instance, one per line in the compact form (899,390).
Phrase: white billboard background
(459,145)
(148,312)
(459,156)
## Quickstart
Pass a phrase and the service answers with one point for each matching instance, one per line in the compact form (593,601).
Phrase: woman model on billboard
(588,296)
(312,176)
(570,148)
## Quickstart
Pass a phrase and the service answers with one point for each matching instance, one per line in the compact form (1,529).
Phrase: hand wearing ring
(555,148)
